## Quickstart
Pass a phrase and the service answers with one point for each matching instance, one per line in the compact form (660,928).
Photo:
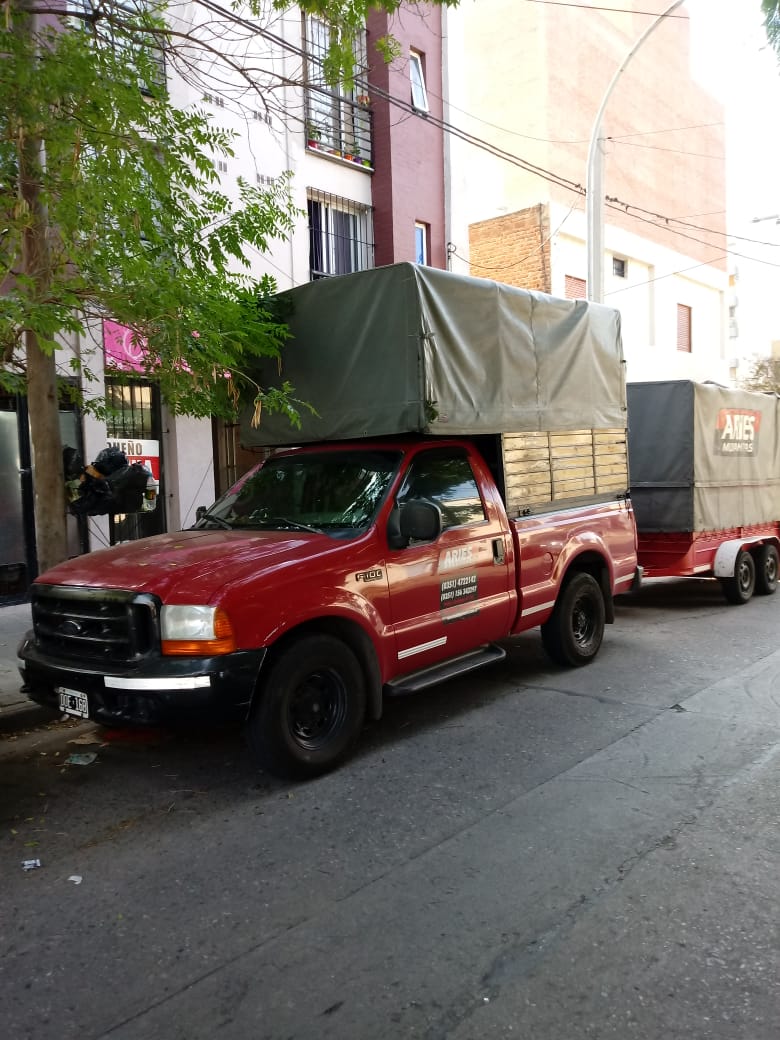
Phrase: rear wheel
(310,710)
(739,588)
(767,561)
(574,632)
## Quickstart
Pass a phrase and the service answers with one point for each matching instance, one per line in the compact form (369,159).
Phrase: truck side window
(445,477)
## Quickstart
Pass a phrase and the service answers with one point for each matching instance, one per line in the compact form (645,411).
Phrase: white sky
(733,60)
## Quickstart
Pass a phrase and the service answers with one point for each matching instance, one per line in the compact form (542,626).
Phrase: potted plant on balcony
(313,136)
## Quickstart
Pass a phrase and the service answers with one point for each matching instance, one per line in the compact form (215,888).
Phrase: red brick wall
(514,249)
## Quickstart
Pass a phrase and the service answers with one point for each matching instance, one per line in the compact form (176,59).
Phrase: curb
(20,716)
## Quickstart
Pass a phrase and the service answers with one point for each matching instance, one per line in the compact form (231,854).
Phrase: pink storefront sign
(121,349)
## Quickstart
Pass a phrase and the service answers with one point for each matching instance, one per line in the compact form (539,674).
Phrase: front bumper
(159,691)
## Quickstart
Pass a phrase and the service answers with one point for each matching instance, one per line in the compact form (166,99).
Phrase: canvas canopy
(406,348)
(702,457)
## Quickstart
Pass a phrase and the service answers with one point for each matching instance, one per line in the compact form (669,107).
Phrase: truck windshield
(335,493)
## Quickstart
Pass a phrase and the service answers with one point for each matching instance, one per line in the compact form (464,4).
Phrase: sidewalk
(16,711)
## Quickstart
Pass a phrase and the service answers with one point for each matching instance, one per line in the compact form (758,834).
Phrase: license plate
(73,703)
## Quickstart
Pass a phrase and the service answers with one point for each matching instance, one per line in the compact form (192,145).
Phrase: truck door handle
(498,550)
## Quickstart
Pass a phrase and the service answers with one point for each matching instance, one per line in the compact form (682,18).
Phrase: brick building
(520,217)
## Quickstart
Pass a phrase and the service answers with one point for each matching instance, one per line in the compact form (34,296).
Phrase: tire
(739,588)
(574,632)
(310,709)
(767,560)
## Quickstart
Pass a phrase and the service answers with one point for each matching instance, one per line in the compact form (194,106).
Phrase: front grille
(94,625)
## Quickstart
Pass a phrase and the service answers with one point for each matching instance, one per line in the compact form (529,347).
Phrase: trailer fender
(727,553)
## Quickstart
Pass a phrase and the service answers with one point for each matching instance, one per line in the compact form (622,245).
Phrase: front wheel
(739,588)
(767,562)
(310,709)
(574,632)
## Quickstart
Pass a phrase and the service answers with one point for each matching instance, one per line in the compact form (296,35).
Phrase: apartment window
(422,237)
(683,328)
(222,165)
(146,59)
(619,267)
(576,288)
(417,77)
(338,120)
(341,238)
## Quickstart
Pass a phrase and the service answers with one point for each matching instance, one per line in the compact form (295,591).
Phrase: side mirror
(200,512)
(418,520)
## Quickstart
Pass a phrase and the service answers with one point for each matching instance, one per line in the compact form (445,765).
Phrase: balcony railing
(339,126)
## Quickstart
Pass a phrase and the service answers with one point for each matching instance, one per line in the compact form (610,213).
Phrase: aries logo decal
(737,432)
(375,575)
(453,558)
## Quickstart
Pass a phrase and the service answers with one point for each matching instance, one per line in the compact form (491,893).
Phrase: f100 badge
(374,575)
(737,431)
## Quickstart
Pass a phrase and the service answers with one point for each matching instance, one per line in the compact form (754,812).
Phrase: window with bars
(576,288)
(133,413)
(133,410)
(683,328)
(338,120)
(341,235)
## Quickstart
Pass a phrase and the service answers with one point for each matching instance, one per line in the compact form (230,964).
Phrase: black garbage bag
(128,485)
(109,460)
(111,485)
(94,497)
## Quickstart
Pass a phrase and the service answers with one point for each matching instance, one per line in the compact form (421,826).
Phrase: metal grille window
(131,411)
(341,238)
(683,328)
(338,120)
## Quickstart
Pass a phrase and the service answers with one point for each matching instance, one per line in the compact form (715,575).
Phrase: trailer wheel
(767,561)
(573,634)
(310,710)
(739,588)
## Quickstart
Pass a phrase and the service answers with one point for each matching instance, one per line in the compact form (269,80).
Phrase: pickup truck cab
(327,577)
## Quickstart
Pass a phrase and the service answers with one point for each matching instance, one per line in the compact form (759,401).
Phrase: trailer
(704,463)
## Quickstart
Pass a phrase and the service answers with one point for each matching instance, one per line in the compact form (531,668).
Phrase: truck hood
(196,564)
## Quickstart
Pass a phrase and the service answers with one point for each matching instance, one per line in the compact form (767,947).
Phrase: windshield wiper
(283,521)
(210,518)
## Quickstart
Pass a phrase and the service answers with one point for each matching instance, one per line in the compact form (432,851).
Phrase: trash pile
(109,484)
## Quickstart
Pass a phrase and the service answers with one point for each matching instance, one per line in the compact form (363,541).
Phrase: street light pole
(594,184)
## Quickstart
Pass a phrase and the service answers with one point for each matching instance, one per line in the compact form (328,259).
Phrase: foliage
(347,19)
(764,375)
(138,228)
(771,12)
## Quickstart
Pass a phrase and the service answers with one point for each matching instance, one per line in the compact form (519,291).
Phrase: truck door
(453,594)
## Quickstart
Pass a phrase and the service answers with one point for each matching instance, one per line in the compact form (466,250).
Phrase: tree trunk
(48,491)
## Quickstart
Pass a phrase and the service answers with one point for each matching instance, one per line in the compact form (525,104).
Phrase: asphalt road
(527,852)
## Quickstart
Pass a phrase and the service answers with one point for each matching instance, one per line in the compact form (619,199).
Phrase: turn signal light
(222,640)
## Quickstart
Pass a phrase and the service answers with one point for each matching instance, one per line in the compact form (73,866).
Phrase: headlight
(197,631)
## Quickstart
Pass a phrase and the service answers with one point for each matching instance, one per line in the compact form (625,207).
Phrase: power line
(609,10)
(661,221)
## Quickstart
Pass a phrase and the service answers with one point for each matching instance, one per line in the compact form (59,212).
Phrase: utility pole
(594,183)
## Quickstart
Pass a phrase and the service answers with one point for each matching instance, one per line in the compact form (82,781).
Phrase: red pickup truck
(328,576)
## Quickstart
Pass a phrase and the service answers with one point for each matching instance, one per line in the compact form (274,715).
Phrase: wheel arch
(352,635)
(727,552)
(595,563)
